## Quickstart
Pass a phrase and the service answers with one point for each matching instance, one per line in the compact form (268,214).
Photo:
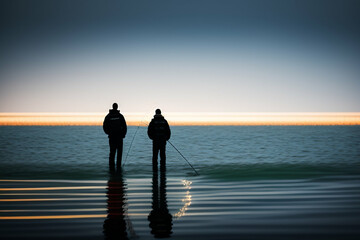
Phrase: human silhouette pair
(115,127)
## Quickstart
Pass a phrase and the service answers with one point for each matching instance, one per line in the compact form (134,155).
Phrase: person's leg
(112,145)
(119,152)
(155,155)
(162,156)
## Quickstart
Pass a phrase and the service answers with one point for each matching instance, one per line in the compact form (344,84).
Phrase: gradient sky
(193,56)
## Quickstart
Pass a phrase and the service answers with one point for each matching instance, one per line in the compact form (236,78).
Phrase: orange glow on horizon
(64,216)
(53,217)
(47,199)
(52,188)
(182,119)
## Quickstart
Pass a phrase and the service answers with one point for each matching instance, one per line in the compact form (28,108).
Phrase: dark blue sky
(42,19)
(257,55)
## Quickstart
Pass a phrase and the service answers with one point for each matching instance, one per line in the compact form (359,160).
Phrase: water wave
(277,171)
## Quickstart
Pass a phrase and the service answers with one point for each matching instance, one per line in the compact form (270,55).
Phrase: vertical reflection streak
(160,219)
(186,200)
(115,224)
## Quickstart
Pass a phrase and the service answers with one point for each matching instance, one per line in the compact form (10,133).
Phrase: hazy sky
(213,56)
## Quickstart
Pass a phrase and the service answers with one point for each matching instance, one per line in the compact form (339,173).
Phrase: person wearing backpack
(159,132)
(115,127)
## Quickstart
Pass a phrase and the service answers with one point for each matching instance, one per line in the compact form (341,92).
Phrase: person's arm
(124,126)
(168,131)
(105,125)
(150,130)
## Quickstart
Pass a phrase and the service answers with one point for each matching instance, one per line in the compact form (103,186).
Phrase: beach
(254,182)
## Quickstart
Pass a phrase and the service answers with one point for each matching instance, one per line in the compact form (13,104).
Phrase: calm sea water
(258,182)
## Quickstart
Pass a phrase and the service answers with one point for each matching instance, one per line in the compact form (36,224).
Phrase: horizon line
(183,118)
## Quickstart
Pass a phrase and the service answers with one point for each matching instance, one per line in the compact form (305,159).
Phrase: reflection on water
(186,200)
(311,209)
(160,219)
(115,223)
(51,188)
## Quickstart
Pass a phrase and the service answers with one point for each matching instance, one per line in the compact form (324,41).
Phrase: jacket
(114,124)
(159,129)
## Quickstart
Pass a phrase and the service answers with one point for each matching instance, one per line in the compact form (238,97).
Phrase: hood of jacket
(113,111)
(157,116)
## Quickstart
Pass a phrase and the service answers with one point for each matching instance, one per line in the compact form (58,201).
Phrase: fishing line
(133,140)
(184,157)
(131,144)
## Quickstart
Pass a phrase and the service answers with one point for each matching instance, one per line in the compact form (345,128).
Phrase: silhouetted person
(115,225)
(115,127)
(159,132)
(160,219)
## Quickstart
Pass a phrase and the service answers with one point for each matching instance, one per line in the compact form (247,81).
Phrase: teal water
(224,153)
(277,182)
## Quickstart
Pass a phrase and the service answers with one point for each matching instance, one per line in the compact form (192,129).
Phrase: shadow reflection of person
(115,224)
(160,219)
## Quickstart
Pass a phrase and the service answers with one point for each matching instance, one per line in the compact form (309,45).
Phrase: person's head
(157,111)
(115,106)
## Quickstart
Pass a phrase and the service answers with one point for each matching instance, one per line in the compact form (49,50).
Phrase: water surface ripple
(200,208)
(260,182)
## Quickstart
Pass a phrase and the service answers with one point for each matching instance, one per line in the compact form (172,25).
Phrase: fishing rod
(131,144)
(167,141)
(183,157)
(133,140)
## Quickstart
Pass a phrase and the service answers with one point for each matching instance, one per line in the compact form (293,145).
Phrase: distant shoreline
(184,119)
